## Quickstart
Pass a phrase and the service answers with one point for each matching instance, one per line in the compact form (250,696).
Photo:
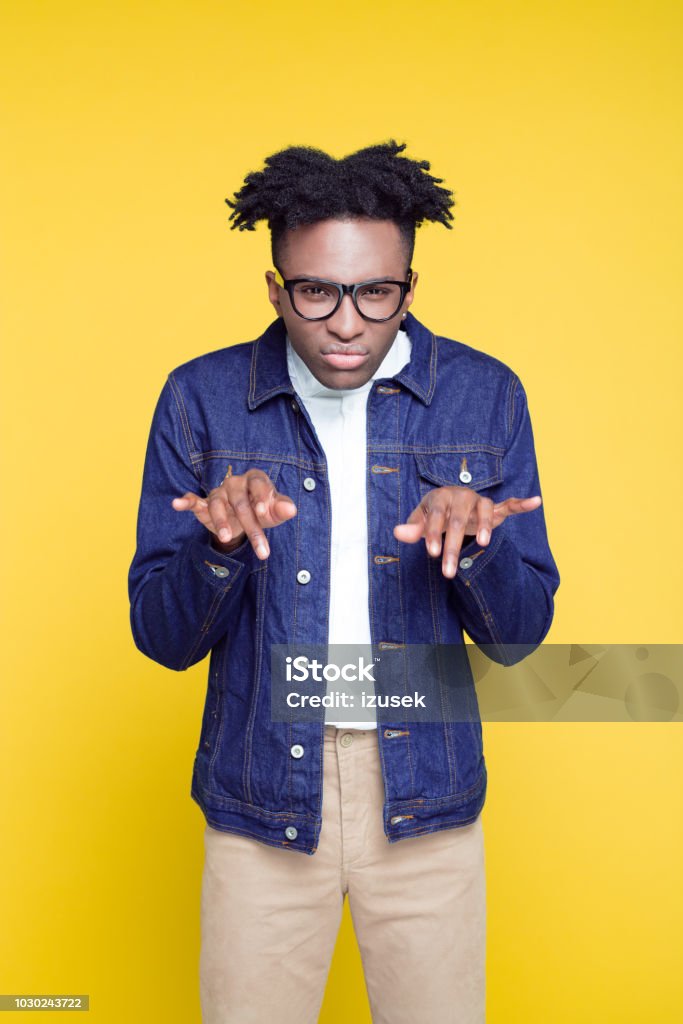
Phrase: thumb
(413,528)
(283,507)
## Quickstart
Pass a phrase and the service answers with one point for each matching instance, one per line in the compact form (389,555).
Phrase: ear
(411,294)
(273,291)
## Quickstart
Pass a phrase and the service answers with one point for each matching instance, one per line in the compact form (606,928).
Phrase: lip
(345,360)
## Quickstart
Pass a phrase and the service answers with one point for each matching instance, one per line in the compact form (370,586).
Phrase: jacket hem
(264,826)
(418,817)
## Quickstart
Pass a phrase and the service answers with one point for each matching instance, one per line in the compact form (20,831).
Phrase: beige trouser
(269,917)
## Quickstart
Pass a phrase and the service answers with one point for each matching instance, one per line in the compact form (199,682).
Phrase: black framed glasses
(314,298)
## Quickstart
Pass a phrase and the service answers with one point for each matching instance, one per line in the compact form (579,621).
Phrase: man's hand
(241,506)
(457,511)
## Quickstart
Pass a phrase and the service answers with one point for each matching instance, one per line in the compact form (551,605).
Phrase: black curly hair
(302,185)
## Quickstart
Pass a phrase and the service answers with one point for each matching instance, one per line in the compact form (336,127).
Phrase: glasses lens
(313,299)
(379,300)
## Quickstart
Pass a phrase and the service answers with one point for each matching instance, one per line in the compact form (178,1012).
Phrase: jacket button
(465,477)
(309,483)
(303,576)
(346,740)
(220,570)
(291,832)
(297,750)
(295,405)
(465,563)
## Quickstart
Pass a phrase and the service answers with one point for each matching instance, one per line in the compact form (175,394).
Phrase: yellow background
(126,125)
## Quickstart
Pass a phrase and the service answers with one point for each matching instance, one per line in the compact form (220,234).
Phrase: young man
(347,478)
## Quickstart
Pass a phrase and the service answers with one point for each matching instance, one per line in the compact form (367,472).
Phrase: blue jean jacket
(452,416)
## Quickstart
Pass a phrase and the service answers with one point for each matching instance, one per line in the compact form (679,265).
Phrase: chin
(344,379)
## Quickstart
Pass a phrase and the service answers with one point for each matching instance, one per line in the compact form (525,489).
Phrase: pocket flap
(474,469)
(216,469)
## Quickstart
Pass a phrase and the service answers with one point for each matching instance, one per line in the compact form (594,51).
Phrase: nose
(346,324)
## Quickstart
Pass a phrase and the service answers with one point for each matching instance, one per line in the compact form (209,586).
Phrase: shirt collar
(270,376)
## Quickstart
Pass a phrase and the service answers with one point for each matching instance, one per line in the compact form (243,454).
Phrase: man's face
(346,251)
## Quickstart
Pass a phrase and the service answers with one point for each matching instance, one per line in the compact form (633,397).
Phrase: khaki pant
(269,917)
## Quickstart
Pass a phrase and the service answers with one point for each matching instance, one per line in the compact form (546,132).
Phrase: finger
(188,502)
(220,514)
(512,506)
(409,532)
(531,503)
(261,490)
(524,504)
(437,513)
(287,505)
(484,520)
(458,517)
(413,528)
(268,502)
(242,509)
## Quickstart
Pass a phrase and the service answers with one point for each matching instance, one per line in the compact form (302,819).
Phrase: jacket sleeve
(183,592)
(505,596)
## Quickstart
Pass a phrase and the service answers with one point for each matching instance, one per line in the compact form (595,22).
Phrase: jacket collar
(270,374)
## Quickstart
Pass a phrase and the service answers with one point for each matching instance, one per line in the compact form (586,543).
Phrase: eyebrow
(321,277)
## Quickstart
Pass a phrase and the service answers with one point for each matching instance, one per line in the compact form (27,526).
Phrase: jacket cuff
(477,557)
(222,570)
(505,602)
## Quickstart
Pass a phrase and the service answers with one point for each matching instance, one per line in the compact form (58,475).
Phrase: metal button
(291,832)
(303,576)
(295,405)
(465,563)
(465,476)
(297,750)
(309,483)
(219,570)
(396,819)
(346,740)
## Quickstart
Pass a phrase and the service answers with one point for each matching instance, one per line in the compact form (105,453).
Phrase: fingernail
(261,508)
(434,547)
(223,534)
(483,536)
(261,550)
(449,567)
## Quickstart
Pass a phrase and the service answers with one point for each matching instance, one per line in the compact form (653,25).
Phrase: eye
(375,291)
(313,291)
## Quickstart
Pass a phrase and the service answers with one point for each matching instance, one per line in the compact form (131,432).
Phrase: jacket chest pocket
(216,469)
(477,469)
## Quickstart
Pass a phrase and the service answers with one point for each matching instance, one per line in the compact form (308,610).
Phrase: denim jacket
(452,416)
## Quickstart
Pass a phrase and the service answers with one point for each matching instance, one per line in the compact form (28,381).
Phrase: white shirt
(339,418)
